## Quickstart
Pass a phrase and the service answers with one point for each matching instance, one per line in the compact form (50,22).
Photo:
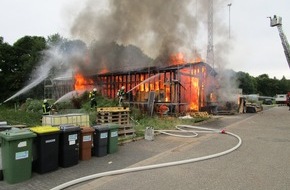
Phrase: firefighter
(45,107)
(121,95)
(93,96)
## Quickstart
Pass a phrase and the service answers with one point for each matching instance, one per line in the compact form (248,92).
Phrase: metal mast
(210,52)
(277,21)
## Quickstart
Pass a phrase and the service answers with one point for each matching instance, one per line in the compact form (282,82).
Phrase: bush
(32,105)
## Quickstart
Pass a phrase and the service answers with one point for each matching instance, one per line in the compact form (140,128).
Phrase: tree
(283,86)
(55,40)
(28,53)
(247,83)
(266,86)
(7,67)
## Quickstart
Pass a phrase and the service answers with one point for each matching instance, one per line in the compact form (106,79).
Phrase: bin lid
(113,126)
(87,129)
(68,128)
(16,134)
(5,127)
(44,129)
(101,127)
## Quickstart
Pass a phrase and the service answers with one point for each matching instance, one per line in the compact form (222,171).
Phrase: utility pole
(229,5)
(210,50)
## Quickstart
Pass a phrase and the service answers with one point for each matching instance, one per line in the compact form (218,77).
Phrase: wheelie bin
(47,145)
(100,140)
(113,138)
(16,151)
(3,127)
(86,143)
(69,145)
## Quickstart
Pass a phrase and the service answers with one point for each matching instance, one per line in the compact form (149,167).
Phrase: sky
(255,47)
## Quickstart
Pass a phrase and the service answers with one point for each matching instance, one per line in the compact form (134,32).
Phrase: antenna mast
(210,52)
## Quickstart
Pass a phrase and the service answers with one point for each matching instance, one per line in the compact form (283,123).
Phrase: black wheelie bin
(69,145)
(100,140)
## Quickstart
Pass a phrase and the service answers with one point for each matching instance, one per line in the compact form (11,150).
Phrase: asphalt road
(262,162)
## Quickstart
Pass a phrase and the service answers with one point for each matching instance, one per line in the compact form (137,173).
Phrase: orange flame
(180,58)
(81,83)
(177,58)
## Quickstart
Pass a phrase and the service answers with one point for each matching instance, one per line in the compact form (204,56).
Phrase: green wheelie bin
(3,127)
(16,151)
(113,138)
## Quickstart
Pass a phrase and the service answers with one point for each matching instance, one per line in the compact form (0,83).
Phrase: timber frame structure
(183,87)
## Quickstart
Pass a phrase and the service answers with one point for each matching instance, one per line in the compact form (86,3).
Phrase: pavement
(262,162)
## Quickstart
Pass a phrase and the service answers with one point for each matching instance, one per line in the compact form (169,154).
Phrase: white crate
(71,119)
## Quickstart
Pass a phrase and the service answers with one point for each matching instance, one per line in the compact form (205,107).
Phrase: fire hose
(181,129)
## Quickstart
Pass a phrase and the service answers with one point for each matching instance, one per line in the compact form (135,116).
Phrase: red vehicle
(288,99)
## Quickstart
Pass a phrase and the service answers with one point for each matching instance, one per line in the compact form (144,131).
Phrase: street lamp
(229,5)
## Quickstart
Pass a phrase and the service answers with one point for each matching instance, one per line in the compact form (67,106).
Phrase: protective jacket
(46,108)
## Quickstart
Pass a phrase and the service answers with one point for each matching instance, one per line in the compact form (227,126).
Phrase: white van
(281,98)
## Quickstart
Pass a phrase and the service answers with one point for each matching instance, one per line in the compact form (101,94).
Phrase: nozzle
(223,131)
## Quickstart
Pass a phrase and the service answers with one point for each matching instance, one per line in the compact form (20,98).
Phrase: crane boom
(277,21)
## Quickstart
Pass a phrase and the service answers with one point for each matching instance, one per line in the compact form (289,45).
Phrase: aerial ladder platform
(276,21)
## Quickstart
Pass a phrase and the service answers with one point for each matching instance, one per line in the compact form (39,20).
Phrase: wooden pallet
(118,115)
(113,109)
(126,131)
(199,114)
(113,117)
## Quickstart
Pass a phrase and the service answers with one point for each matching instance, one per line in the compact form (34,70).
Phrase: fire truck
(276,21)
(288,100)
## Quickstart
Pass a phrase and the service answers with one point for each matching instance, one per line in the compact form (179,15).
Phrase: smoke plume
(158,27)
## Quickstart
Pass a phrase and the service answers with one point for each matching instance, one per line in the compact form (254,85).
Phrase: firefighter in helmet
(121,95)
(45,107)
(93,96)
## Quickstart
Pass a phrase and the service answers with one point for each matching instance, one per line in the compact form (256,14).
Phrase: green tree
(283,86)
(28,52)
(7,69)
(266,86)
(247,83)
(55,39)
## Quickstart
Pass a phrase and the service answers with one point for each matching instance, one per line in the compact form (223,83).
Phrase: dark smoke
(159,28)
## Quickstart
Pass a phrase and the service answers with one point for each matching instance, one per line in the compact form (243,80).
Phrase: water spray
(69,95)
(147,80)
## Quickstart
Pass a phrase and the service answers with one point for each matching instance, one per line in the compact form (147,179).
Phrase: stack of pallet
(118,115)
(199,114)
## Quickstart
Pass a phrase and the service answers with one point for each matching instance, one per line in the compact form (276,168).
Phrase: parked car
(268,102)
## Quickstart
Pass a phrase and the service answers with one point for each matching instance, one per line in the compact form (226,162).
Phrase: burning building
(182,87)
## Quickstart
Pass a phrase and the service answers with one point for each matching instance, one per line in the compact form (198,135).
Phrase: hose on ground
(168,164)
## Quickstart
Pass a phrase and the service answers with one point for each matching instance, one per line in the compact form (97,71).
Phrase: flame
(180,58)
(197,59)
(81,83)
(177,58)
(104,70)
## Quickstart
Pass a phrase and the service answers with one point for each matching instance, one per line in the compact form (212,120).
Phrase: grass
(30,114)
(163,123)
(19,117)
